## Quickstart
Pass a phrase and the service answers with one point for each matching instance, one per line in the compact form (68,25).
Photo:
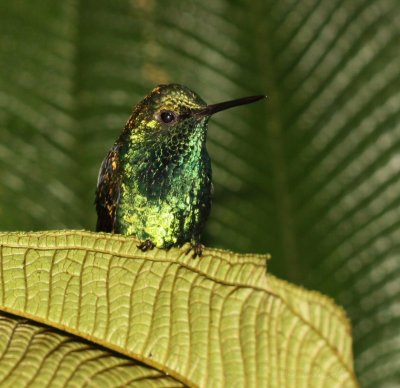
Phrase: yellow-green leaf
(218,320)
(36,355)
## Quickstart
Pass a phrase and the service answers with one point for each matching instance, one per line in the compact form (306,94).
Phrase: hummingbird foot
(196,248)
(145,245)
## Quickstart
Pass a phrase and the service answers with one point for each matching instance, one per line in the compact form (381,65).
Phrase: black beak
(211,109)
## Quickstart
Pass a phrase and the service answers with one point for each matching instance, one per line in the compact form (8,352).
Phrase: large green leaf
(218,321)
(311,176)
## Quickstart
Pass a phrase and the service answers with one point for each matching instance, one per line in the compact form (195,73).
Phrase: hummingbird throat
(165,159)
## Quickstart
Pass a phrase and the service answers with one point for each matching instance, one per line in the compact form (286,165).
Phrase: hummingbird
(155,182)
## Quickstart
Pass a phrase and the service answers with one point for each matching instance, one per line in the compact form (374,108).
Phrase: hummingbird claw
(197,249)
(145,245)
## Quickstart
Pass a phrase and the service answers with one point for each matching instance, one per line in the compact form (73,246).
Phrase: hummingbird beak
(211,109)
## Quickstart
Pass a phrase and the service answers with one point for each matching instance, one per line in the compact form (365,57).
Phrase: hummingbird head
(176,116)
(167,111)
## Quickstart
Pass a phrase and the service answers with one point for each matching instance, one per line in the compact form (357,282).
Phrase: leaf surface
(219,320)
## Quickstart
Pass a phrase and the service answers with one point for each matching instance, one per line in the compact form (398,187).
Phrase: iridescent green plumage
(155,182)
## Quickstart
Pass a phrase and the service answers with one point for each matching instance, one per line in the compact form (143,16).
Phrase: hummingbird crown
(167,108)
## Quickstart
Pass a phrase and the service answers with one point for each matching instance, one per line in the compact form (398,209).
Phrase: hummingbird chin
(155,182)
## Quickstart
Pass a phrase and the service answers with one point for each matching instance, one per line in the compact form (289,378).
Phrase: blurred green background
(312,175)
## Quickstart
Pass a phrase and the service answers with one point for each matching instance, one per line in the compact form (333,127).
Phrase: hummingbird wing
(108,192)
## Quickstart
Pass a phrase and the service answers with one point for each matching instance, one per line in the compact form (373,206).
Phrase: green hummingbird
(155,182)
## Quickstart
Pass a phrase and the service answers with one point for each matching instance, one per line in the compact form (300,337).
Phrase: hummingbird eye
(168,116)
